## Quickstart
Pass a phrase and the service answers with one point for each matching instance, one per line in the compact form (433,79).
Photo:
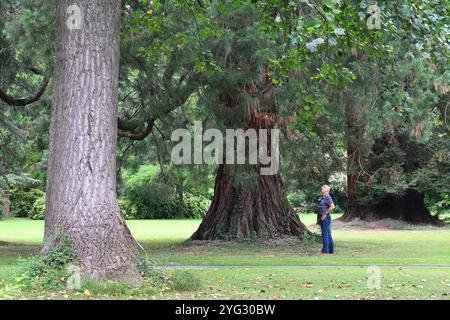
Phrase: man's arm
(330,208)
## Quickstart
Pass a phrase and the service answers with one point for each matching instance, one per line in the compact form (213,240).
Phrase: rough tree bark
(81,186)
(238,212)
(263,209)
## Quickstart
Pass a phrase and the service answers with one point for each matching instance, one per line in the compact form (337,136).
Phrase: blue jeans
(327,239)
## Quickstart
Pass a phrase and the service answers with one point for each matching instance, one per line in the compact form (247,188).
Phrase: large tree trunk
(238,212)
(81,196)
(260,209)
(409,207)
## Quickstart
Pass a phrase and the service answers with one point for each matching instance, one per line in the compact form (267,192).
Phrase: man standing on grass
(326,205)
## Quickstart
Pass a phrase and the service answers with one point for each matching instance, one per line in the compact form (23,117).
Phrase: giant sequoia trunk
(243,210)
(81,186)
(238,212)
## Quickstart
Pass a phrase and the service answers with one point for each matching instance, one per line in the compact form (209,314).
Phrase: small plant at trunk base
(156,278)
(149,272)
(309,238)
(155,281)
(253,239)
(49,273)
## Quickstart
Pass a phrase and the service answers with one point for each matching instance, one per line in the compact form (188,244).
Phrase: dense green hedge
(22,202)
(38,210)
(163,207)
(145,196)
(31,204)
(296,199)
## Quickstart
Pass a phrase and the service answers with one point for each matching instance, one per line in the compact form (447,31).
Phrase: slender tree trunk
(354,136)
(180,201)
(6,202)
(81,188)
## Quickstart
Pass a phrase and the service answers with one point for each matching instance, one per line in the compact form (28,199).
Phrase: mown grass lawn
(164,241)
(320,283)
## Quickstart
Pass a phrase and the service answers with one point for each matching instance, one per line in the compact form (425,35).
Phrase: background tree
(24,97)
(367,83)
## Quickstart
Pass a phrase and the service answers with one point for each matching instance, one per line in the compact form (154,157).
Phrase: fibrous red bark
(260,209)
(239,212)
